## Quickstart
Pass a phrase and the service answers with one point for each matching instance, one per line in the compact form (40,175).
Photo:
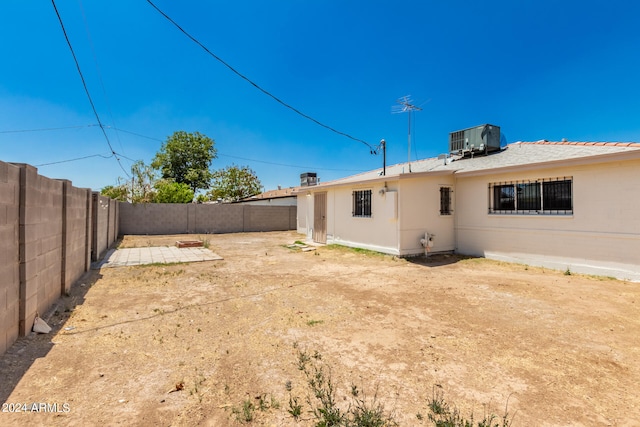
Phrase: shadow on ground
(437,260)
(18,358)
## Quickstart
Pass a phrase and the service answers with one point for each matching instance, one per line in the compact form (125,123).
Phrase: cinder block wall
(105,225)
(219,218)
(266,218)
(76,233)
(9,254)
(40,244)
(153,218)
(160,218)
(46,240)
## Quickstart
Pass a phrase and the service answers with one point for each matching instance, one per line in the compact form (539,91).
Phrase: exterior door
(320,217)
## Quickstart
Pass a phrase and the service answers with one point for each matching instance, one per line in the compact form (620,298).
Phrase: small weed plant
(314,322)
(442,414)
(323,399)
(361,411)
(246,413)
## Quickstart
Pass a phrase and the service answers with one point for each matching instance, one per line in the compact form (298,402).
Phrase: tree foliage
(139,189)
(172,192)
(186,158)
(116,192)
(234,183)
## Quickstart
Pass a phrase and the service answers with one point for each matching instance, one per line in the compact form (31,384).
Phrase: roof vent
(482,139)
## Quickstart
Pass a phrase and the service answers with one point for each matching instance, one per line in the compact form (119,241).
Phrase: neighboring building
(563,205)
(279,197)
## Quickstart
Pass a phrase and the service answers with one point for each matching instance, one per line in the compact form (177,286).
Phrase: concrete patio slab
(154,255)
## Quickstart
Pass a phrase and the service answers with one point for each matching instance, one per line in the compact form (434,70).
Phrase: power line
(84,84)
(73,160)
(47,129)
(255,84)
(120,155)
(245,158)
(95,60)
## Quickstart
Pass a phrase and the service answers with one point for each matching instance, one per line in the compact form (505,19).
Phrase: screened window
(504,198)
(528,196)
(545,196)
(557,195)
(362,203)
(445,201)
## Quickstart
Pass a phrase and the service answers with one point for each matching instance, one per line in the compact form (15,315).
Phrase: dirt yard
(191,344)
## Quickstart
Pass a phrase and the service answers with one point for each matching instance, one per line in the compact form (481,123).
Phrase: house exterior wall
(601,237)
(419,212)
(304,219)
(378,232)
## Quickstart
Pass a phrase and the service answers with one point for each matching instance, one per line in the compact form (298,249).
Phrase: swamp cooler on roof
(482,139)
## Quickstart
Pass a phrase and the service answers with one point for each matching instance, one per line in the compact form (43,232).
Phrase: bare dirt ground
(558,349)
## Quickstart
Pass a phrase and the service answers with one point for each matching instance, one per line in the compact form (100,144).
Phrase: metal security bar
(445,201)
(362,203)
(552,196)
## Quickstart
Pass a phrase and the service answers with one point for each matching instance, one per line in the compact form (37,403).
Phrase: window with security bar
(362,203)
(544,196)
(445,201)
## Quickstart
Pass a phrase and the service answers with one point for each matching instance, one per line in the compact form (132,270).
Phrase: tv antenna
(405,106)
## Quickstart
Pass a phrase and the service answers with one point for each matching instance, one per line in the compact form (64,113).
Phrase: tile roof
(518,154)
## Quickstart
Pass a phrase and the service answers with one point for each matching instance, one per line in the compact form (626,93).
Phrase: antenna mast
(406,106)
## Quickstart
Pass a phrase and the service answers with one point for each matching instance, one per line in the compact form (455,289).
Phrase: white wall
(305,214)
(419,210)
(379,232)
(601,237)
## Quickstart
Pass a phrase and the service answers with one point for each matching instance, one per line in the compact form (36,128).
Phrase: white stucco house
(562,205)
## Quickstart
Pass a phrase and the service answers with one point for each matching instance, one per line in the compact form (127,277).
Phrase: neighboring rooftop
(518,154)
(273,194)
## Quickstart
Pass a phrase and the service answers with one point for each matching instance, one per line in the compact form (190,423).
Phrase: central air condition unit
(482,139)
(308,179)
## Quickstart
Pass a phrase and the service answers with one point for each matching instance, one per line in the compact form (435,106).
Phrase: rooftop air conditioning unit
(308,179)
(482,139)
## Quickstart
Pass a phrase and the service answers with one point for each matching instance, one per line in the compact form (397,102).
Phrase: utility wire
(93,107)
(122,156)
(245,158)
(47,129)
(256,85)
(73,160)
(95,60)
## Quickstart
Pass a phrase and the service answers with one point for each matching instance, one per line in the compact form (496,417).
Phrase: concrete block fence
(164,218)
(50,231)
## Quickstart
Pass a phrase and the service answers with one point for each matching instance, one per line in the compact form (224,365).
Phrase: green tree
(116,192)
(234,183)
(137,189)
(186,158)
(172,192)
(143,177)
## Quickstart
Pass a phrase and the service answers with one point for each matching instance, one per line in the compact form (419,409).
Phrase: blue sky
(538,69)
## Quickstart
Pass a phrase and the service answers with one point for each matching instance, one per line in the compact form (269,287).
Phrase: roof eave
(578,161)
(381,178)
